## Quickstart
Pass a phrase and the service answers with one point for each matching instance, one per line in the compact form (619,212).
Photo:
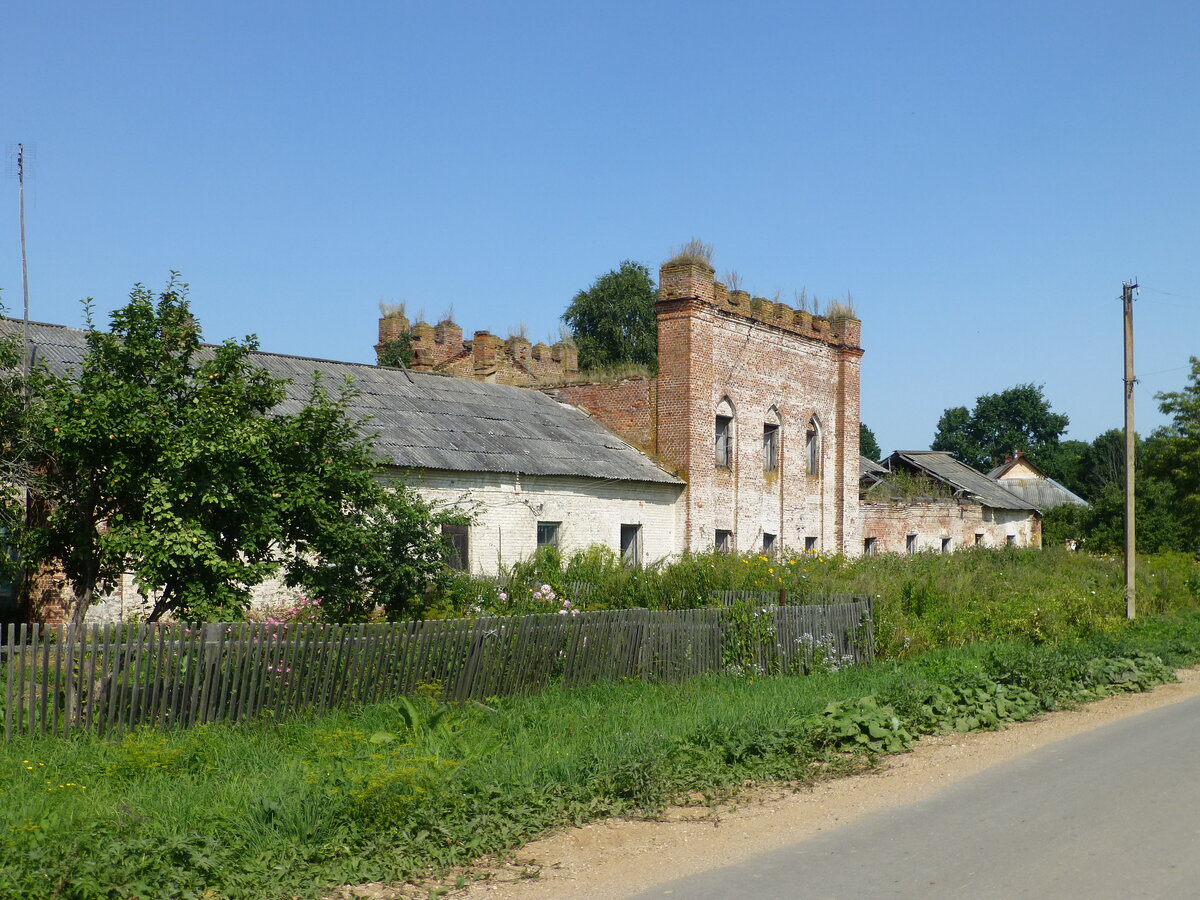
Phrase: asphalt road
(1112,813)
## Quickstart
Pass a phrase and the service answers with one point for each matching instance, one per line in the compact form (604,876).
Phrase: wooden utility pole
(1127,290)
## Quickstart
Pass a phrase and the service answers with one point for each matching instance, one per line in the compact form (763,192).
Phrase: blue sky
(979,177)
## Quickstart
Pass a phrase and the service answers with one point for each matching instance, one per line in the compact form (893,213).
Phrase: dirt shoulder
(618,858)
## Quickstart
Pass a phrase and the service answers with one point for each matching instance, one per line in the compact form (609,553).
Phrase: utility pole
(1127,290)
(24,264)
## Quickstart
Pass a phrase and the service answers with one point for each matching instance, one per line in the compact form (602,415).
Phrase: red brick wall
(626,406)
(441,348)
(766,359)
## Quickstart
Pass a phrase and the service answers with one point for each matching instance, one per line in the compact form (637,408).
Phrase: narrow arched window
(771,441)
(812,448)
(723,455)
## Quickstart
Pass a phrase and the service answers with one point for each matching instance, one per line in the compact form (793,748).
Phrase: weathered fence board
(110,679)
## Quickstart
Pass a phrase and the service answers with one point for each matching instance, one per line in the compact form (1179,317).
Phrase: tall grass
(922,602)
(402,789)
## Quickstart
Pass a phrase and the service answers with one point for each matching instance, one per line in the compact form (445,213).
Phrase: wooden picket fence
(109,679)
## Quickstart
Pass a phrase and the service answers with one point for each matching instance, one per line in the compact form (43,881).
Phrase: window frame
(770,543)
(554,529)
(631,555)
(723,441)
(911,543)
(770,447)
(723,540)
(870,546)
(459,558)
(812,448)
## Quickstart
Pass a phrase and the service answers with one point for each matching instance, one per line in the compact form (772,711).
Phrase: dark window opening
(724,441)
(770,448)
(631,545)
(910,543)
(457,545)
(724,541)
(547,533)
(769,541)
(812,446)
(869,546)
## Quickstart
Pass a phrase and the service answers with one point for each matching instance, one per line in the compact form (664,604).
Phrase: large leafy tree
(613,321)
(169,460)
(1175,452)
(1019,418)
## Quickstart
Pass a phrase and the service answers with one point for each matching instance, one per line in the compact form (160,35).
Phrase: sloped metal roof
(430,421)
(869,467)
(1044,493)
(962,477)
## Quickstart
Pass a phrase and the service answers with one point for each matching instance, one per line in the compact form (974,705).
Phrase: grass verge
(404,789)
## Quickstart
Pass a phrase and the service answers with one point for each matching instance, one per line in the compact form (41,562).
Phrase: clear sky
(980,177)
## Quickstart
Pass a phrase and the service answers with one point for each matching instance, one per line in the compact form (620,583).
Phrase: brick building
(755,406)
(922,500)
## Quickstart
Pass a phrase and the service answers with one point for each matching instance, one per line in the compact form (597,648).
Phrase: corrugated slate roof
(869,467)
(962,477)
(1044,493)
(432,421)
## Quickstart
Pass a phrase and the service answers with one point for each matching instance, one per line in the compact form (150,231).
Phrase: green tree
(1019,418)
(1174,454)
(169,460)
(867,445)
(613,321)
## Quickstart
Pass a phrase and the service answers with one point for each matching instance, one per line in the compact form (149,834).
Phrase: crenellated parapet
(695,282)
(485,357)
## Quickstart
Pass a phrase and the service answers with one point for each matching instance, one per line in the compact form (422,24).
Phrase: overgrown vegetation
(1167,470)
(695,251)
(613,321)
(408,788)
(171,460)
(922,602)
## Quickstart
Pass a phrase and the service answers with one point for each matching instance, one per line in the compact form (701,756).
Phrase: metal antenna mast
(24,261)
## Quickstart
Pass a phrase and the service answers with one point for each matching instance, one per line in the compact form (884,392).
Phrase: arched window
(812,448)
(723,455)
(771,441)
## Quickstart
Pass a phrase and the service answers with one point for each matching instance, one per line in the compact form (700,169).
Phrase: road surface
(1110,813)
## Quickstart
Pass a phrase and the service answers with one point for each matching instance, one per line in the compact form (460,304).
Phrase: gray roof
(962,478)
(432,421)
(1044,493)
(869,467)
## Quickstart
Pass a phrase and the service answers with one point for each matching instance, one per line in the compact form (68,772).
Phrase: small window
(457,545)
(770,448)
(946,546)
(979,539)
(869,546)
(724,440)
(1010,540)
(810,545)
(547,533)
(910,543)
(768,542)
(631,545)
(812,448)
(723,541)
